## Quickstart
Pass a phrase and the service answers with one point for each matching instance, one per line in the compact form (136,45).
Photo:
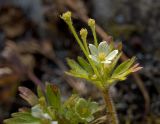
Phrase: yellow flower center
(102,56)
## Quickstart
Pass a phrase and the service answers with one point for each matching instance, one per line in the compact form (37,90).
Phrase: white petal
(103,47)
(93,49)
(106,62)
(54,122)
(112,55)
(94,58)
(46,116)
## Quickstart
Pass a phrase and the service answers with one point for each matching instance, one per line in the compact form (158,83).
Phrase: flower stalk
(84,33)
(67,18)
(91,24)
(111,111)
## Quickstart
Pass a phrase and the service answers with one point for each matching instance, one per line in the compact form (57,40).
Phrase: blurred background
(34,43)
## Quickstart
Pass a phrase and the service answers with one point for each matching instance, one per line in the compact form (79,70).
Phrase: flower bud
(83,33)
(91,22)
(67,17)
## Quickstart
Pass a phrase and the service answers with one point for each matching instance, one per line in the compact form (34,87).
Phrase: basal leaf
(84,109)
(18,114)
(93,106)
(53,96)
(71,100)
(22,118)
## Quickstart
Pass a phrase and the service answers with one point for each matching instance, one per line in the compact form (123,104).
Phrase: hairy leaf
(76,67)
(85,65)
(53,96)
(22,118)
(123,67)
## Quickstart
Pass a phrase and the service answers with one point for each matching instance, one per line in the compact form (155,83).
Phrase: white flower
(102,53)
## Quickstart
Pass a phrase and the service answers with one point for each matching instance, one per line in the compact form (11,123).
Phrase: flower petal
(103,47)
(112,55)
(106,62)
(54,122)
(94,58)
(93,49)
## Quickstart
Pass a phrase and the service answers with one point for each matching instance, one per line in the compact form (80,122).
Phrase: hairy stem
(111,112)
(83,48)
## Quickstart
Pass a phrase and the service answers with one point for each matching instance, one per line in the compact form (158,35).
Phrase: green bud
(83,33)
(67,17)
(91,22)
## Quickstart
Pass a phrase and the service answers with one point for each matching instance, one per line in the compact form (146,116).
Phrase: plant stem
(111,112)
(83,48)
(85,45)
(95,37)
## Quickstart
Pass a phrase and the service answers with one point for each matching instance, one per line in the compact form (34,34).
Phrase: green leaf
(115,61)
(40,92)
(85,109)
(22,118)
(85,65)
(72,117)
(75,74)
(53,96)
(93,106)
(111,47)
(75,66)
(82,108)
(76,69)
(108,70)
(20,114)
(69,110)
(20,121)
(71,100)
(123,67)
(122,76)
